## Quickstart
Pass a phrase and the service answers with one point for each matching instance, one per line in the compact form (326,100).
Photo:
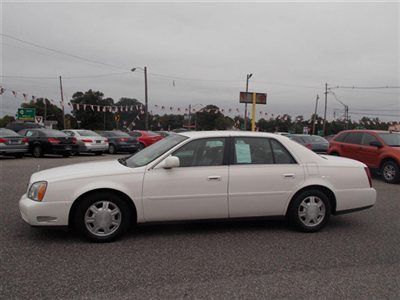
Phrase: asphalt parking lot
(355,256)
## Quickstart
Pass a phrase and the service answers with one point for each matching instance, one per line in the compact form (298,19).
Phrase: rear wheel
(37,151)
(141,146)
(309,211)
(102,217)
(390,171)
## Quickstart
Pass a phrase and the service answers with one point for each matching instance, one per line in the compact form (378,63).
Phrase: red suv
(379,150)
(146,138)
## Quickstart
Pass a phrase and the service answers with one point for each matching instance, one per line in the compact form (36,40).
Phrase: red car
(146,138)
(379,150)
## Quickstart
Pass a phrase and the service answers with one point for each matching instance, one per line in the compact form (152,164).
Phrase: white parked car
(199,175)
(88,141)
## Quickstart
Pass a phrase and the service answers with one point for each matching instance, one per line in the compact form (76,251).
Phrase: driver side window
(202,152)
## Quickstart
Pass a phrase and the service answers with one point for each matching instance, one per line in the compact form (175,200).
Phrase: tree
(92,119)
(206,118)
(5,120)
(50,111)
(132,119)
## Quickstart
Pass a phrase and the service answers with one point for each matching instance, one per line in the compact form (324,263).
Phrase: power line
(365,87)
(62,52)
(64,77)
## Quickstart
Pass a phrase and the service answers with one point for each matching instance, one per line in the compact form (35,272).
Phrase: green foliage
(5,120)
(49,110)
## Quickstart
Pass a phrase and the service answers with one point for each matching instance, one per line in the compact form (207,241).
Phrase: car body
(163,133)
(145,138)
(196,176)
(379,150)
(49,141)
(315,143)
(18,126)
(119,141)
(88,141)
(11,143)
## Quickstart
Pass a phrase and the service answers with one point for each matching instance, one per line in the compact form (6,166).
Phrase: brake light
(368,175)
(106,141)
(25,140)
(309,146)
(3,140)
(73,140)
(54,141)
(123,139)
(87,141)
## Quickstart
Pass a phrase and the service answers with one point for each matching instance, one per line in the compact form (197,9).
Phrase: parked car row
(40,141)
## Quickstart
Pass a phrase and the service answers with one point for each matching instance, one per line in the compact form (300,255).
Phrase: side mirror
(171,162)
(376,144)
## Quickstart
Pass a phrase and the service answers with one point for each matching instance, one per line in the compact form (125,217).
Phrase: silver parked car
(11,143)
(88,141)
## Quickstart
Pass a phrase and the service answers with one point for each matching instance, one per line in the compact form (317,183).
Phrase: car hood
(83,170)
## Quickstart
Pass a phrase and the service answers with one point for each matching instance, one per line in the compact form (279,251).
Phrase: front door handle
(217,178)
(288,176)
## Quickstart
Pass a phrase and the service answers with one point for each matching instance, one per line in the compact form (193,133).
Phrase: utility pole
(315,115)
(326,104)
(146,102)
(45,108)
(248,76)
(62,102)
(190,109)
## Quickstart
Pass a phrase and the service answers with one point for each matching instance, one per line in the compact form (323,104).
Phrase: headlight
(37,190)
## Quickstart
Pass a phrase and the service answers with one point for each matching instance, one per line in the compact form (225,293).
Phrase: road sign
(261,98)
(26,114)
(38,119)
(117,117)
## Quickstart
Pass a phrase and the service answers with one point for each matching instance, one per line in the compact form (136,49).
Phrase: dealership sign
(261,98)
(26,114)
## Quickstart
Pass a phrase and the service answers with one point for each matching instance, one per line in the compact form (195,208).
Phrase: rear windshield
(53,133)
(87,133)
(390,139)
(7,133)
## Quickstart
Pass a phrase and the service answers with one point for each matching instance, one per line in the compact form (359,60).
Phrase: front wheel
(37,151)
(112,149)
(309,211)
(390,171)
(102,217)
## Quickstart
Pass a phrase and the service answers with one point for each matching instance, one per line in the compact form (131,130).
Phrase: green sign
(26,114)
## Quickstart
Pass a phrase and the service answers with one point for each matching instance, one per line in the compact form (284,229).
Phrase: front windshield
(390,139)
(150,153)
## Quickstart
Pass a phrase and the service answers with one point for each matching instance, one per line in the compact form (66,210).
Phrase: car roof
(226,133)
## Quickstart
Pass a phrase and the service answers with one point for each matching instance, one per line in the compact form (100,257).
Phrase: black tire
(335,154)
(92,199)
(141,146)
(19,155)
(98,153)
(66,154)
(112,149)
(294,211)
(37,151)
(390,171)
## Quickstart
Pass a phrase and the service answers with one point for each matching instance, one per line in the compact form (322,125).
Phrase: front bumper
(44,213)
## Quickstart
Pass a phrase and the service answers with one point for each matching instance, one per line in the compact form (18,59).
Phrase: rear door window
(341,137)
(250,150)
(354,138)
(281,155)
(368,138)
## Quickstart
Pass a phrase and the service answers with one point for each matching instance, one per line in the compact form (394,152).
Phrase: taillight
(123,139)
(309,146)
(25,140)
(74,140)
(54,141)
(106,141)
(368,175)
(2,140)
(87,141)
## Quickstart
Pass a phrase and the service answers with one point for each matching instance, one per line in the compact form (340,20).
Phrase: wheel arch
(122,195)
(388,158)
(327,191)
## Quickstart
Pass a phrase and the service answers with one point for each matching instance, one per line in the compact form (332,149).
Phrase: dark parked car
(315,143)
(11,143)
(49,141)
(379,150)
(18,126)
(119,141)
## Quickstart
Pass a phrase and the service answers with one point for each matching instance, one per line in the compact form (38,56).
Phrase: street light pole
(248,76)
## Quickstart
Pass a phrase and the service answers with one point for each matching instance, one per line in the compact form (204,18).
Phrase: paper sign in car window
(243,155)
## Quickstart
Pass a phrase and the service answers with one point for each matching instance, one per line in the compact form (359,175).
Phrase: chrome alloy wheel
(103,218)
(389,172)
(311,211)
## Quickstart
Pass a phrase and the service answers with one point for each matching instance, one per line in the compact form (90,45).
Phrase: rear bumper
(44,213)
(353,200)
(14,149)
(93,148)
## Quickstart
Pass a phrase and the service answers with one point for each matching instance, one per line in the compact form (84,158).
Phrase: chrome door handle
(217,178)
(288,176)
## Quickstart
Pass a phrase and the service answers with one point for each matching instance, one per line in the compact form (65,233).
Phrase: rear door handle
(217,178)
(288,176)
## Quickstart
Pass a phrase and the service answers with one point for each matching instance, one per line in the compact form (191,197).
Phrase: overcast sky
(292,50)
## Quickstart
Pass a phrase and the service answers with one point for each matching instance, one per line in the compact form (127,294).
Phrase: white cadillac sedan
(199,175)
